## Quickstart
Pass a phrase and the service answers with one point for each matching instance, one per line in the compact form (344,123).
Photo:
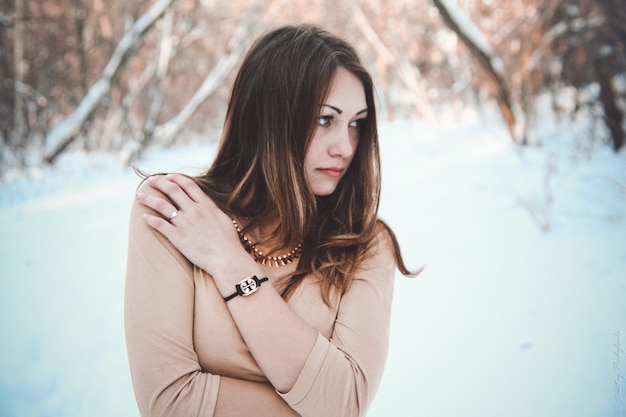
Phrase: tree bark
(607,67)
(166,52)
(64,133)
(613,116)
(615,13)
(481,50)
(19,117)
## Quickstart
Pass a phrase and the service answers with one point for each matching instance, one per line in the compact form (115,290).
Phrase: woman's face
(337,133)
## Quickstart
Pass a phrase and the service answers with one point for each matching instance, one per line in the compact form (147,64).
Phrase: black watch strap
(246,287)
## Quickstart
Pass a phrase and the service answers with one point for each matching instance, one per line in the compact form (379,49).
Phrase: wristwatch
(246,287)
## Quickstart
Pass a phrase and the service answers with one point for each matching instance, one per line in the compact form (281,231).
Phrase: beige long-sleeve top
(181,338)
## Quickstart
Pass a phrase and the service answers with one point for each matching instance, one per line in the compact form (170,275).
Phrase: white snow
(506,319)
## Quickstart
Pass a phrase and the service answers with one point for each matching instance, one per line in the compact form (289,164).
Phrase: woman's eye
(356,123)
(324,120)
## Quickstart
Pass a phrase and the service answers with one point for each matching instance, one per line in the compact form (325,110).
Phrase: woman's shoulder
(380,251)
(147,240)
(383,240)
(137,209)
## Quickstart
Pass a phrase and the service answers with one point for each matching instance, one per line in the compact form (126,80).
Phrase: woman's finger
(158,204)
(189,186)
(160,224)
(171,190)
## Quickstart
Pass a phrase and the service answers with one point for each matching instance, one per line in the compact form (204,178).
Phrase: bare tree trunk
(481,50)
(121,116)
(165,56)
(63,134)
(607,67)
(615,13)
(19,117)
(613,116)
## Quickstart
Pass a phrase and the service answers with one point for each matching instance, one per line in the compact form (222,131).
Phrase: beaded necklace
(274,261)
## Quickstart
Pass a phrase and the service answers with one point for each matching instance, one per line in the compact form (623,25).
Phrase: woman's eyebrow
(339,111)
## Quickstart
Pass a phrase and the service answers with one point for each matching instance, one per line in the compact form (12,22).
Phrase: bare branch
(482,51)
(167,132)
(391,57)
(64,133)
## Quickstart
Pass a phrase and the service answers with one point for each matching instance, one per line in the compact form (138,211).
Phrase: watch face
(247,286)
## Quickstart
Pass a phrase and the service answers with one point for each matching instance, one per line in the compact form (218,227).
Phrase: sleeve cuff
(310,372)
(211,392)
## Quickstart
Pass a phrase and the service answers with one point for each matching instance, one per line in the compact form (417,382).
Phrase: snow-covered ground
(520,311)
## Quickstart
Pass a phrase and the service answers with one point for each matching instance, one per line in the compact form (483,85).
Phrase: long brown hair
(258,171)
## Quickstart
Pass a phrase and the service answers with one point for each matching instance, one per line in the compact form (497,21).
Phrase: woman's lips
(332,171)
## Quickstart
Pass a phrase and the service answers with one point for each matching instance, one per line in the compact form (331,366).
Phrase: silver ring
(173,215)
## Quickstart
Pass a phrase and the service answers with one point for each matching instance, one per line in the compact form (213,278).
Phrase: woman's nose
(342,143)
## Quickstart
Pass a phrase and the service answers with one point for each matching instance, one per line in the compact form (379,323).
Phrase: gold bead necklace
(274,261)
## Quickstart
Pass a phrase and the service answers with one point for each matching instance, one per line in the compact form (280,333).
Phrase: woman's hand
(193,223)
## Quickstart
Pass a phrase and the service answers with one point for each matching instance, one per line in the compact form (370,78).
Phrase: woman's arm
(238,398)
(159,308)
(343,374)
(317,376)
(279,340)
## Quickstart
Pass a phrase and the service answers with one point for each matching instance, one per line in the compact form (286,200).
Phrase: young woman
(264,287)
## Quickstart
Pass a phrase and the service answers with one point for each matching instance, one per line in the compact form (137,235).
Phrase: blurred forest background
(123,75)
